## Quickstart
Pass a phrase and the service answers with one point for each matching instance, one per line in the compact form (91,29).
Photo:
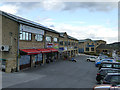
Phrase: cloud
(20,7)
(91,6)
(13,9)
(90,31)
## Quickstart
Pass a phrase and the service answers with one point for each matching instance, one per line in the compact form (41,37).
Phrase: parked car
(110,65)
(112,78)
(92,58)
(106,87)
(101,57)
(103,72)
(103,60)
(102,87)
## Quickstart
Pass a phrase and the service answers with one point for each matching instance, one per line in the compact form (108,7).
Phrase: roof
(72,38)
(98,40)
(84,40)
(103,46)
(26,21)
(109,69)
(113,73)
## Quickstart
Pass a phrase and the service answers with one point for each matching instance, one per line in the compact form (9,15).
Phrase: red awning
(44,50)
(30,51)
(53,50)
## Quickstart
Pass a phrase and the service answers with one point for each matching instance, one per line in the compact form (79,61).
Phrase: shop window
(92,49)
(25,35)
(87,49)
(38,37)
(55,39)
(48,39)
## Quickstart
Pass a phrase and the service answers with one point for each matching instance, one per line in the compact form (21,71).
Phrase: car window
(108,78)
(115,78)
(116,65)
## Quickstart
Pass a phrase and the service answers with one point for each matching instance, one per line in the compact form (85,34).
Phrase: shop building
(89,46)
(68,46)
(25,43)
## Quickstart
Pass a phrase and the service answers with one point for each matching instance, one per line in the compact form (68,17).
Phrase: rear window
(116,65)
(106,65)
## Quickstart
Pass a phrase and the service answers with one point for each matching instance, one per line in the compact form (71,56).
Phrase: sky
(94,20)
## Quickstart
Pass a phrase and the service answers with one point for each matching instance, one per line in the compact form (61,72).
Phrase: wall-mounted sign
(65,48)
(91,45)
(56,46)
(31,29)
(61,48)
(49,45)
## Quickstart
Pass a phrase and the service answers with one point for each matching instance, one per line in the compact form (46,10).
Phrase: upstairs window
(48,39)
(87,49)
(55,39)
(38,37)
(92,49)
(65,43)
(25,35)
(68,43)
(61,42)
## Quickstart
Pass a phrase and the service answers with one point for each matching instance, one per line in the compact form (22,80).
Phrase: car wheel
(88,59)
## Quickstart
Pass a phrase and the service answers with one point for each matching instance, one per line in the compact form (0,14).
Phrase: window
(87,49)
(65,43)
(55,39)
(25,35)
(61,42)
(92,49)
(48,39)
(38,37)
(87,45)
(68,43)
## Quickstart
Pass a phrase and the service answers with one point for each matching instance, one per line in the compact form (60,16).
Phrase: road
(60,74)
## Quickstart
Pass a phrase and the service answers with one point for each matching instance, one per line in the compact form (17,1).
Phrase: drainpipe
(18,48)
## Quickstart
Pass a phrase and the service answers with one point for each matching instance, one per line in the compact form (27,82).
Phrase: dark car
(109,65)
(103,72)
(112,78)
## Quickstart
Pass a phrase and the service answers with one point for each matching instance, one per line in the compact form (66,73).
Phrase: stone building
(89,46)
(25,43)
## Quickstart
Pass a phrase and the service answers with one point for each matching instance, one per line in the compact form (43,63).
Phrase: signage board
(31,29)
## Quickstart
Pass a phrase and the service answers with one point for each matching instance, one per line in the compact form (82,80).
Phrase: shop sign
(91,45)
(65,48)
(49,45)
(61,48)
(31,29)
(56,46)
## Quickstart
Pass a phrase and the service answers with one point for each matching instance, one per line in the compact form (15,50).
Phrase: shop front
(27,58)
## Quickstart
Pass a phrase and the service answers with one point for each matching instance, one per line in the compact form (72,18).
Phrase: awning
(44,50)
(53,50)
(30,51)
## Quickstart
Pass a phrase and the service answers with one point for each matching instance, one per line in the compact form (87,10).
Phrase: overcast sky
(95,20)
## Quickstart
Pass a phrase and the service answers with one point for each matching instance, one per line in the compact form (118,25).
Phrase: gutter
(17,69)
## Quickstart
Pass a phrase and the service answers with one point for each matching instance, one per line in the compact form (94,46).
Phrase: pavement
(59,74)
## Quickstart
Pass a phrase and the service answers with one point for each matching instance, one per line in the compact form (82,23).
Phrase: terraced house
(25,43)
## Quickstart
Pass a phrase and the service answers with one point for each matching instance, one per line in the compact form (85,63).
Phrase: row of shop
(27,44)
(33,57)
